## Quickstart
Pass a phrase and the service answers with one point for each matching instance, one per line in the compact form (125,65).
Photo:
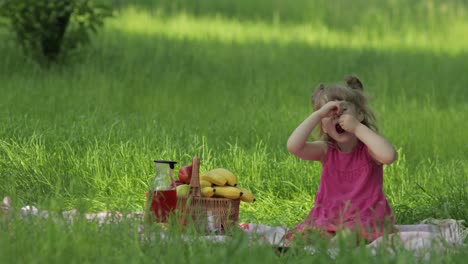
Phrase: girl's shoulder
(313,150)
(326,148)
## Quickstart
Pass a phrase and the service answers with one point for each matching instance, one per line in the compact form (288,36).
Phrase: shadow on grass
(173,79)
(338,15)
(251,74)
(271,69)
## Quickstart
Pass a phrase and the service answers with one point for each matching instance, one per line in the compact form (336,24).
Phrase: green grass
(228,81)
(48,242)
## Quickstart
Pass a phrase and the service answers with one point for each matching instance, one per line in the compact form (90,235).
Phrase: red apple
(185,174)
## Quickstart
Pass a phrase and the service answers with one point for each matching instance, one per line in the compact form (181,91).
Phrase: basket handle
(195,180)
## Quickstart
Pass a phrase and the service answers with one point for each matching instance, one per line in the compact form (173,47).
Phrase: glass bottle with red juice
(162,193)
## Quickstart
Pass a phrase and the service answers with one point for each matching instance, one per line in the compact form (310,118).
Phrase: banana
(227,192)
(247,195)
(214,178)
(204,183)
(207,191)
(230,177)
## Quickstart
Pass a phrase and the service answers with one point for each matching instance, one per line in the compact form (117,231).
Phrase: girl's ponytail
(353,82)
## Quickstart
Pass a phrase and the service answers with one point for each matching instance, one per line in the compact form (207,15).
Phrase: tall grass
(229,81)
(36,241)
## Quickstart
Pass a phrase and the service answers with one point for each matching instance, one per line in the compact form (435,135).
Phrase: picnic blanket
(451,231)
(428,235)
(431,235)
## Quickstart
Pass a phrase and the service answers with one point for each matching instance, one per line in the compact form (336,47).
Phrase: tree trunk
(52,43)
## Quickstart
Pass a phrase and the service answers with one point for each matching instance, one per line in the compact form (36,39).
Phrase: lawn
(228,81)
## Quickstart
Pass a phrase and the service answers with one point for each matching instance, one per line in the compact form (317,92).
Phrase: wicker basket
(208,214)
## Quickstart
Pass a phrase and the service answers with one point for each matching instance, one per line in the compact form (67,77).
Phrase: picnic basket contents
(210,200)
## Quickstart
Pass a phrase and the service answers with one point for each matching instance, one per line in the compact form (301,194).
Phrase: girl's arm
(379,148)
(297,142)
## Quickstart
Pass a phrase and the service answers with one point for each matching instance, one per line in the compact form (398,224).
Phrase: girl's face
(331,126)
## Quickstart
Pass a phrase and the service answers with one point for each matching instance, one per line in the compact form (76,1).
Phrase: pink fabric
(350,194)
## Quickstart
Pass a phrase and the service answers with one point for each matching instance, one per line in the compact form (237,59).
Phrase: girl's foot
(6,204)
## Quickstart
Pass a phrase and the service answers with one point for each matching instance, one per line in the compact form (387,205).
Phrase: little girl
(352,154)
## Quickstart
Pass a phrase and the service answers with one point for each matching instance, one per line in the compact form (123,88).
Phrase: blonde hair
(353,92)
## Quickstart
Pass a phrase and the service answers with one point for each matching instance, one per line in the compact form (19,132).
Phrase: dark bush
(48,29)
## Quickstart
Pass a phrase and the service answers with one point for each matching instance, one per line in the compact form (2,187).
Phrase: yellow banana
(227,192)
(247,195)
(214,178)
(204,183)
(230,177)
(207,191)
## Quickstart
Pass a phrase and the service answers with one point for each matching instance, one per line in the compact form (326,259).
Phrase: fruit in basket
(214,178)
(182,190)
(207,191)
(227,192)
(185,174)
(177,183)
(231,179)
(247,195)
(204,183)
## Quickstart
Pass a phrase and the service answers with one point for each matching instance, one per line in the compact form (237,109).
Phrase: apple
(185,174)
(182,190)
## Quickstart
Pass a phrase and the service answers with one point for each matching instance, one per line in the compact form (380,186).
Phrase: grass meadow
(228,81)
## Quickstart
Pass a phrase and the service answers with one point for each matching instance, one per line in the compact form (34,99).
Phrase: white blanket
(421,239)
(439,235)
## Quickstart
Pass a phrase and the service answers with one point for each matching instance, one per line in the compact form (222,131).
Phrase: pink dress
(350,195)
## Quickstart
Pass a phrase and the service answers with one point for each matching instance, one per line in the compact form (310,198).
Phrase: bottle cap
(171,163)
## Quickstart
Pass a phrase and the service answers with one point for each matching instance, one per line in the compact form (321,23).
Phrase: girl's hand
(330,109)
(349,122)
